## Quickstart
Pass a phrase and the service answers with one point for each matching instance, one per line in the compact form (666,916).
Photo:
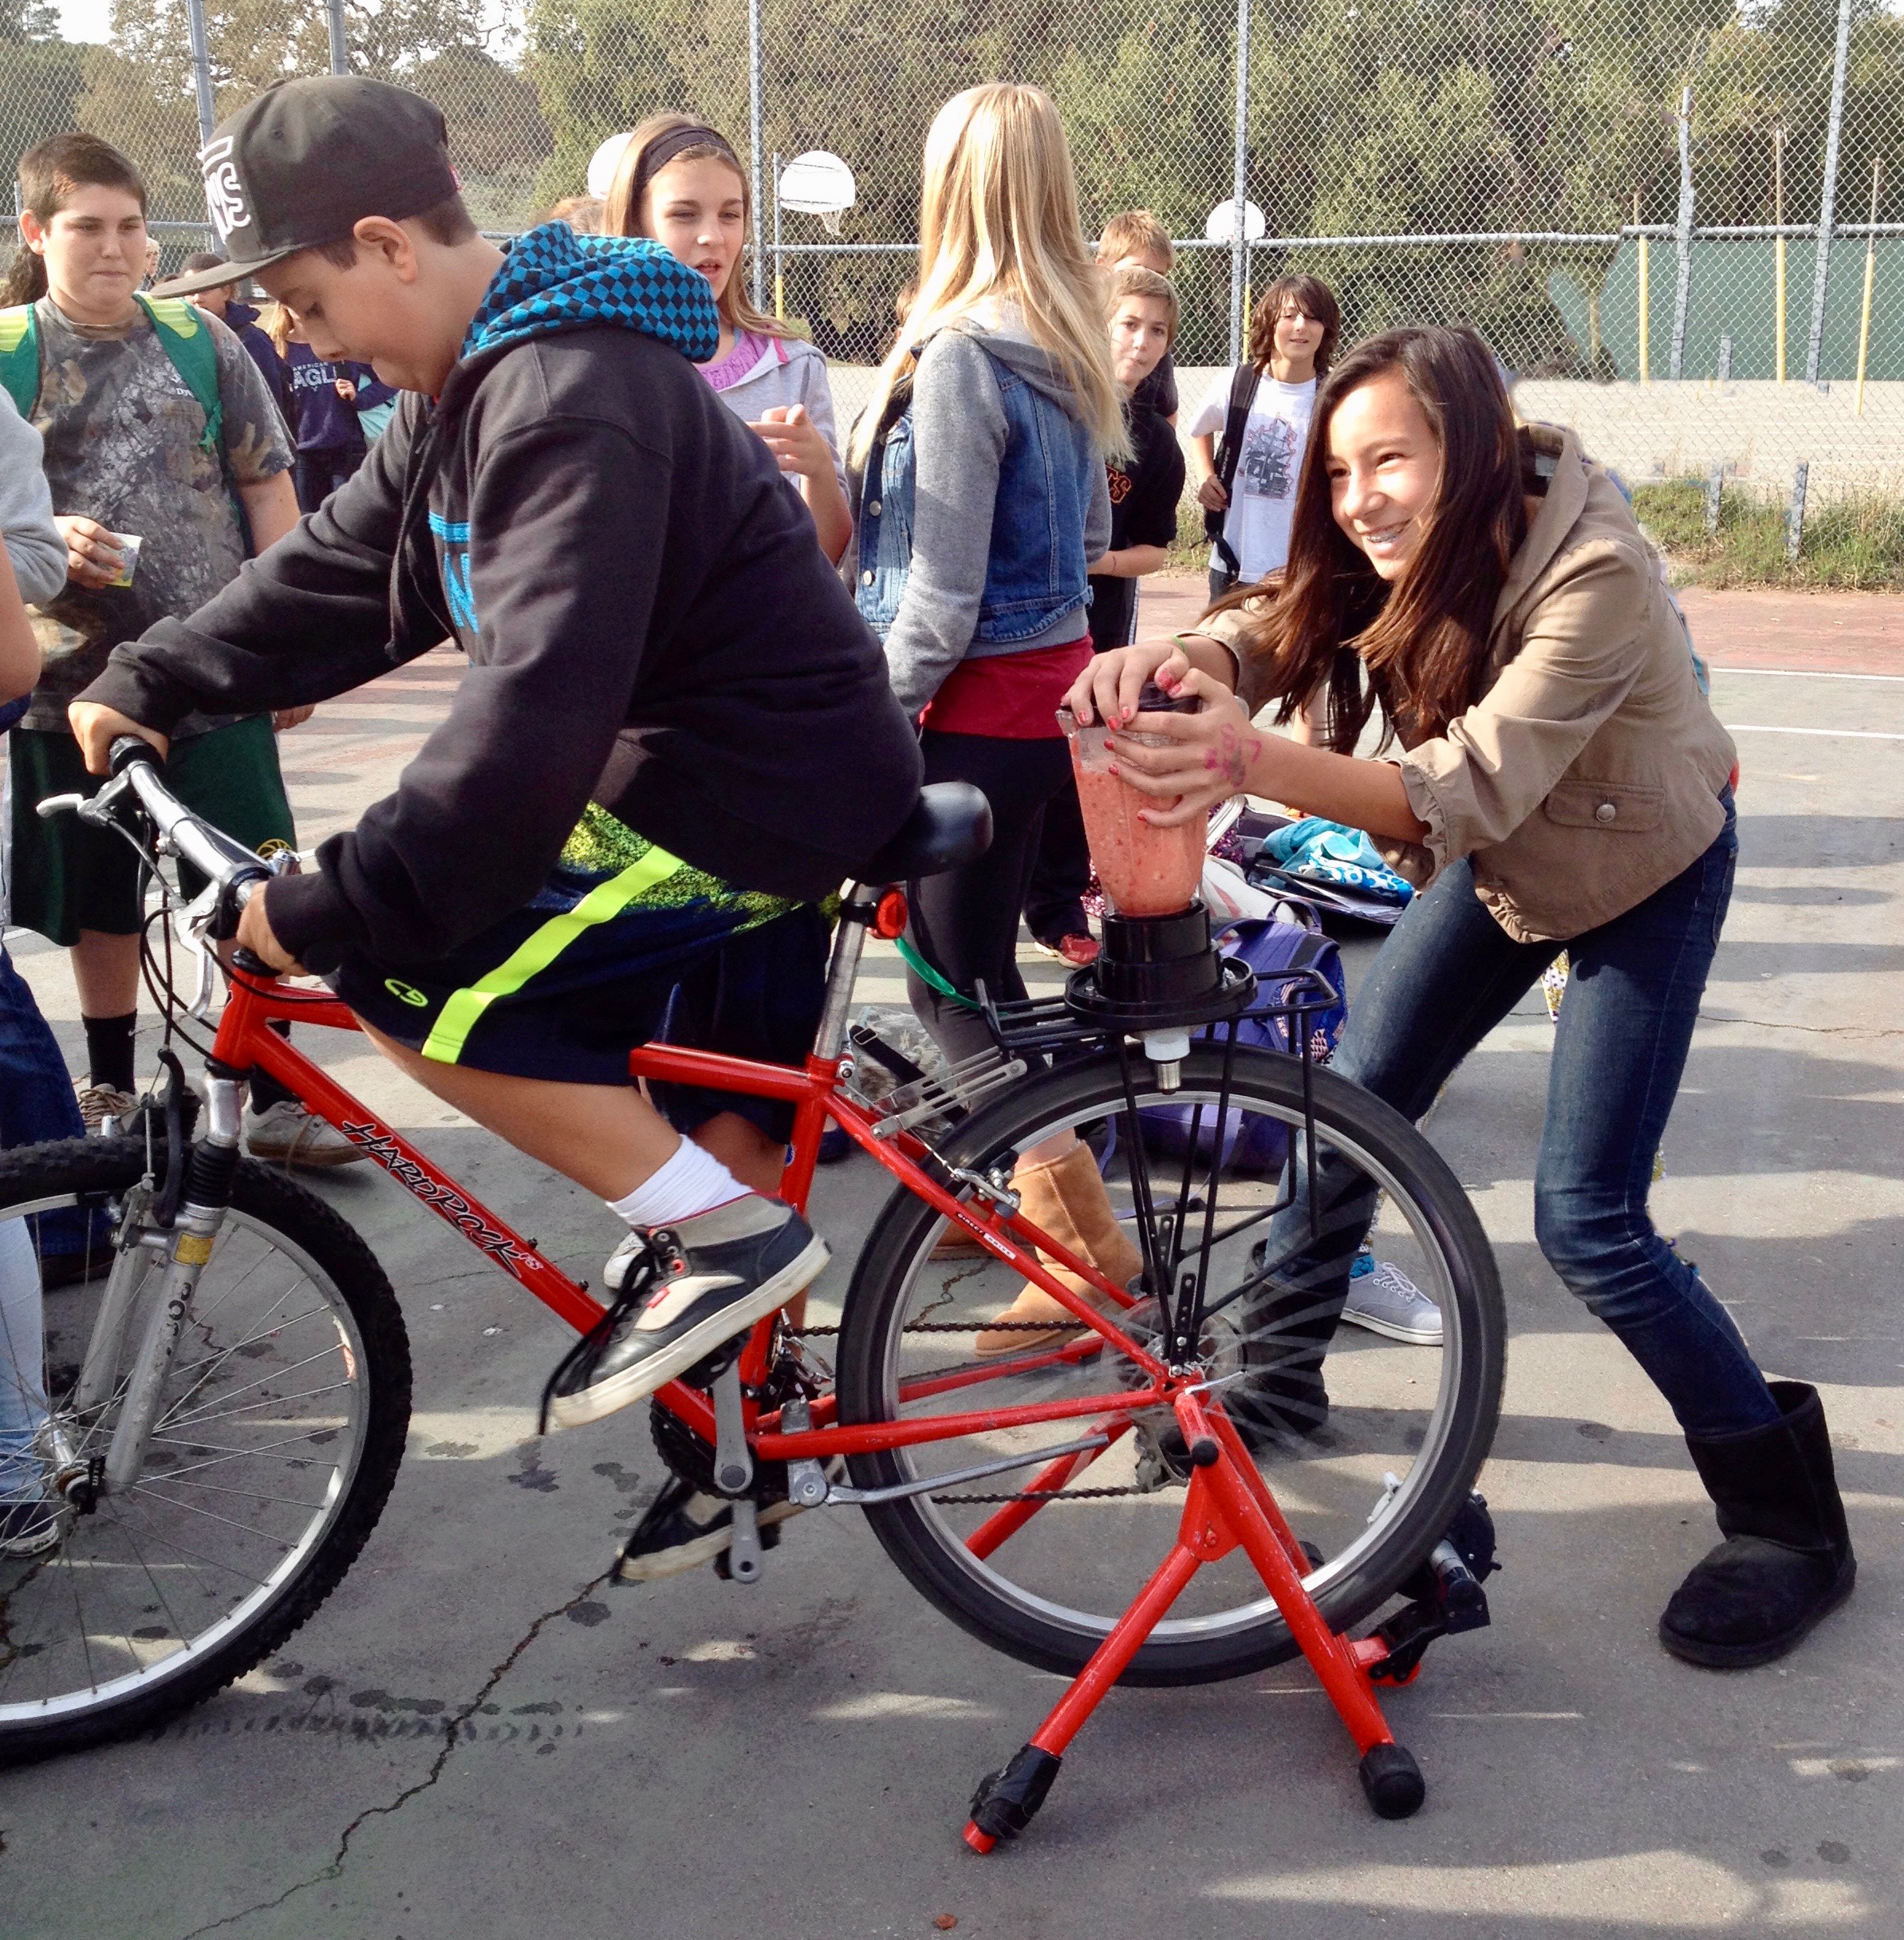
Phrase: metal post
(1795,513)
(1239,241)
(1715,495)
(340,41)
(1871,271)
(754,138)
(1683,241)
(201,67)
(780,261)
(1778,251)
(1644,318)
(1828,200)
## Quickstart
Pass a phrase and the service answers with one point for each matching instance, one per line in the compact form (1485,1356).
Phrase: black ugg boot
(1787,1558)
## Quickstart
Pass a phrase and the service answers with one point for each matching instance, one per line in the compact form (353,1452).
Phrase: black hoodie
(649,621)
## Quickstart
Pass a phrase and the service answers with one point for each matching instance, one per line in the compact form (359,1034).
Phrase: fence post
(1239,240)
(754,140)
(340,46)
(1828,200)
(1794,512)
(201,67)
(1683,241)
(1715,496)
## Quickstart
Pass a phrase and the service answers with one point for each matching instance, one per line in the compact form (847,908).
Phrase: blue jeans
(1448,974)
(36,1103)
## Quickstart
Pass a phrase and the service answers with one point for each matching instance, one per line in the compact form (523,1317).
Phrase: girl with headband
(680,183)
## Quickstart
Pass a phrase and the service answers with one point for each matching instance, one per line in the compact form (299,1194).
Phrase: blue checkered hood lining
(552,279)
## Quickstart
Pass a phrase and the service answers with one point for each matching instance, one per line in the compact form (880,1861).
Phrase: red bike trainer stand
(1228,1506)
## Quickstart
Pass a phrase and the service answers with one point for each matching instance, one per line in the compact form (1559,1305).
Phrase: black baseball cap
(305,162)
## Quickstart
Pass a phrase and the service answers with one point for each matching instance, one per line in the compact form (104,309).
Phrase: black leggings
(965,923)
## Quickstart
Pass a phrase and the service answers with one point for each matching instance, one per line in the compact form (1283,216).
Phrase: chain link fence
(1675,220)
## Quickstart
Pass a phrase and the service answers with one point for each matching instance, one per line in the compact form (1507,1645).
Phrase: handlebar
(219,857)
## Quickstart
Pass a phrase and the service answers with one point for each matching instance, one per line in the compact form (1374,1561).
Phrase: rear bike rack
(1228,1506)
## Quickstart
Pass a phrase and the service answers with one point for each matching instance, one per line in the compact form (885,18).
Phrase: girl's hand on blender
(1201,758)
(1108,688)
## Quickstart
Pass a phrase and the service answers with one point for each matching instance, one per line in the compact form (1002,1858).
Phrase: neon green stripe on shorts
(464,1010)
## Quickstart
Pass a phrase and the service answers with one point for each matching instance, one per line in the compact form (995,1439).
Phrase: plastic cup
(128,544)
(1145,870)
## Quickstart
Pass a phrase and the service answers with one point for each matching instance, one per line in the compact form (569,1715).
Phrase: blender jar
(1145,870)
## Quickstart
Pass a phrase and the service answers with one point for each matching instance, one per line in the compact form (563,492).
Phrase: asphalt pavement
(479,1735)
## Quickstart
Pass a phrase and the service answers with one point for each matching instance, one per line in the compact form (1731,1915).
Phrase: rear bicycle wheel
(1042,1561)
(281,1425)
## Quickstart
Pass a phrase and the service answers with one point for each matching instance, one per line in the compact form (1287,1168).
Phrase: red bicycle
(226,1402)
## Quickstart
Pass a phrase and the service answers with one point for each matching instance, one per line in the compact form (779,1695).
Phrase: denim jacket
(985,552)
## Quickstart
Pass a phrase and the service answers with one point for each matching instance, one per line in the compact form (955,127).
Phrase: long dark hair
(1315,299)
(50,171)
(1334,628)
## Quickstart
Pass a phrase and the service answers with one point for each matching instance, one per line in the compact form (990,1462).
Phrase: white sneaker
(287,1134)
(1384,1300)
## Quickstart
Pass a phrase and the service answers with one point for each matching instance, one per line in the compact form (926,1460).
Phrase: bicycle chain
(1049,1495)
(955,1327)
(1023,1495)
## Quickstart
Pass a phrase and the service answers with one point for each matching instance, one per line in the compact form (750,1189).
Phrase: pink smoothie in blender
(1145,870)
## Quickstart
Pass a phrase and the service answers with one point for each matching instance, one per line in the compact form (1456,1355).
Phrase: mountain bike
(227,1379)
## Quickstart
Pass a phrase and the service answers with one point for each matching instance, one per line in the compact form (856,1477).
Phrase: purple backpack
(1252,1142)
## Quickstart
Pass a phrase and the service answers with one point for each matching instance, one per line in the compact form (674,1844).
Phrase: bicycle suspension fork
(207,1197)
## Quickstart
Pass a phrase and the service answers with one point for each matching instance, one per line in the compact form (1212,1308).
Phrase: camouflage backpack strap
(20,358)
(188,339)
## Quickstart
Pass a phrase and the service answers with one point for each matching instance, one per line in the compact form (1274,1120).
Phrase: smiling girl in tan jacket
(1560,779)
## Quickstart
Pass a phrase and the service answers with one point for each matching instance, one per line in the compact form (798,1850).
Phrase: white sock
(692,1181)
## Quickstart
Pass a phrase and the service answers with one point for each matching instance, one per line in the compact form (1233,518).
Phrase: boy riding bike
(673,725)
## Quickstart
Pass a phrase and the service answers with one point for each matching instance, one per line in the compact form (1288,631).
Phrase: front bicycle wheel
(277,1436)
(1041,1561)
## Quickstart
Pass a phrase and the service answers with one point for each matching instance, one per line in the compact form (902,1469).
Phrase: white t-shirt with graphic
(1263,496)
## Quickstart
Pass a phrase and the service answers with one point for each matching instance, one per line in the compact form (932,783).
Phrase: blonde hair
(274,320)
(621,213)
(1134,280)
(1136,232)
(582,213)
(999,219)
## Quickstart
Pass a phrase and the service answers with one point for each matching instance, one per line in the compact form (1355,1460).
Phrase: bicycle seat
(950,824)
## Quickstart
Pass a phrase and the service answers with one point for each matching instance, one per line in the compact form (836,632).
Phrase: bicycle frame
(244,1041)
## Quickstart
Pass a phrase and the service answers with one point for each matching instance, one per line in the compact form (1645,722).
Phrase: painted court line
(1833,734)
(1803,673)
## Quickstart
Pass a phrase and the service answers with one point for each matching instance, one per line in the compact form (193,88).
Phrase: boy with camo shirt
(157,425)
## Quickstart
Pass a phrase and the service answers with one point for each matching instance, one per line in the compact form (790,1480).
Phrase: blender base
(1159,973)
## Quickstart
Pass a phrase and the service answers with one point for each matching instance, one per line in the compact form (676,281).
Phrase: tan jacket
(1588,774)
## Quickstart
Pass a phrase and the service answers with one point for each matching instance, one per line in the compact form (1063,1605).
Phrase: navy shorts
(622,944)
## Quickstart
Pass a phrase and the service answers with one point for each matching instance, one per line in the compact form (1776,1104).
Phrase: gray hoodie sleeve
(33,540)
(816,393)
(1097,520)
(959,433)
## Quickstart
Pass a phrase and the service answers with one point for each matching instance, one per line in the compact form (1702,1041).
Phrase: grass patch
(1190,550)
(1854,544)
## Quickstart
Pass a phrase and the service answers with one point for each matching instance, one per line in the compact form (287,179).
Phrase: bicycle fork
(208,1183)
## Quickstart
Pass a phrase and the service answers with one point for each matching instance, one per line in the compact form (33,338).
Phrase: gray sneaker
(103,1108)
(1384,1300)
(285,1133)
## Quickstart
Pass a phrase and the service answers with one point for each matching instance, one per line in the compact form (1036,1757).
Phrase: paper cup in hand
(128,544)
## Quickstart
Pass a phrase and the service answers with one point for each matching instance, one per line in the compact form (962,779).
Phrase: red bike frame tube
(244,1042)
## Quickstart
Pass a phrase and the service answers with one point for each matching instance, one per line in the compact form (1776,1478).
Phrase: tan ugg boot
(1065,1198)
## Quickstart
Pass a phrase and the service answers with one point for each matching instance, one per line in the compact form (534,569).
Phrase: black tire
(99,1172)
(919,1542)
